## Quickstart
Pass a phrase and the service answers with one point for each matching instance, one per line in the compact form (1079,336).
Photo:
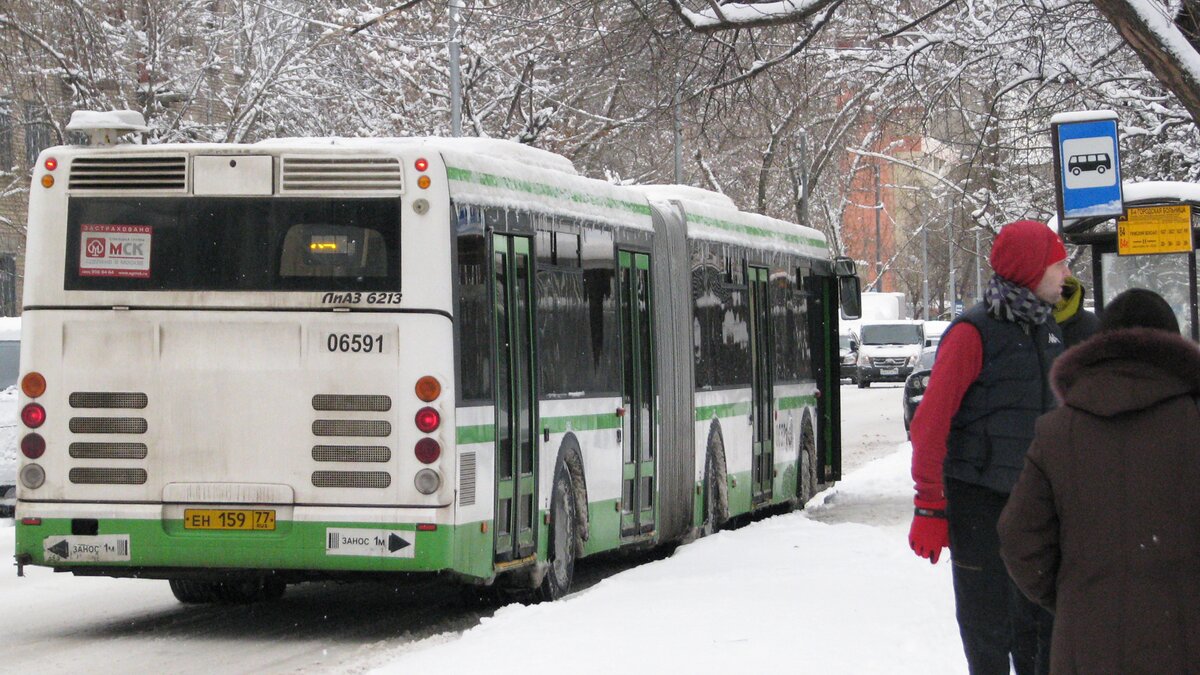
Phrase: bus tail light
(428,420)
(428,388)
(33,446)
(428,450)
(33,415)
(33,476)
(421,164)
(424,182)
(33,384)
(51,164)
(427,481)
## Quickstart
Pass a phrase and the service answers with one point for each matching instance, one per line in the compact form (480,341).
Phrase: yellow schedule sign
(1155,229)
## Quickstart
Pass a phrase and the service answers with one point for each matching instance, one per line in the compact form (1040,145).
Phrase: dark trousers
(995,619)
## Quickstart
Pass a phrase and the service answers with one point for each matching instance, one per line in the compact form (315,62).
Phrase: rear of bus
(237,360)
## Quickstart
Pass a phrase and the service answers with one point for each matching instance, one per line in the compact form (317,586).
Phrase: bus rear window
(198,244)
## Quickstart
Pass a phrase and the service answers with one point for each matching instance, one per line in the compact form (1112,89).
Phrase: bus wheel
(272,589)
(560,566)
(193,592)
(806,479)
(246,590)
(716,490)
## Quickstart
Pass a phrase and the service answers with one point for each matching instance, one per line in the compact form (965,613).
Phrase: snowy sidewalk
(833,589)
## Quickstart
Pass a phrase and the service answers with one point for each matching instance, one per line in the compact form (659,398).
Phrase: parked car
(848,355)
(914,386)
(10,354)
(888,351)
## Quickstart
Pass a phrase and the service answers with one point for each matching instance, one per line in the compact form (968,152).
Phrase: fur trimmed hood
(1125,370)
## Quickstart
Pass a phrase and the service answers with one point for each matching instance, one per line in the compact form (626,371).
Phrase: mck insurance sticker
(115,251)
(102,548)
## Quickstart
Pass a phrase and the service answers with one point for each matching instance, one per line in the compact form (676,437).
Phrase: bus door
(516,481)
(823,346)
(762,382)
(637,398)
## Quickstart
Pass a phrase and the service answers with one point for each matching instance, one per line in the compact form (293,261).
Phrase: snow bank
(821,598)
(10,328)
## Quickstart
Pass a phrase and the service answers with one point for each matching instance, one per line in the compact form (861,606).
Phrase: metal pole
(804,177)
(678,136)
(925,271)
(455,79)
(978,269)
(878,237)
(950,239)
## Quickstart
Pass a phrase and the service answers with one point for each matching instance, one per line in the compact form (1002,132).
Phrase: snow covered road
(831,590)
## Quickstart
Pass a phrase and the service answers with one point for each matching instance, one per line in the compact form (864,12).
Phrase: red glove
(930,532)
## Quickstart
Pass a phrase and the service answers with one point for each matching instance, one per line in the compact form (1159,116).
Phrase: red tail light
(428,420)
(33,446)
(33,415)
(428,450)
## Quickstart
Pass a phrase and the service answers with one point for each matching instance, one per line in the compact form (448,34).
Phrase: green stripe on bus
(757,231)
(479,433)
(544,190)
(485,433)
(558,425)
(722,410)
(792,402)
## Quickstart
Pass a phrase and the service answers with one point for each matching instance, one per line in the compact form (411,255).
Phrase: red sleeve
(959,360)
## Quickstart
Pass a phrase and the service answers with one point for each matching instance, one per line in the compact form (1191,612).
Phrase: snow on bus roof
(494,172)
(492,147)
(729,225)
(688,192)
(491,181)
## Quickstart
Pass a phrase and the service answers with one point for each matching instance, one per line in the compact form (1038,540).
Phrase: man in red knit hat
(990,381)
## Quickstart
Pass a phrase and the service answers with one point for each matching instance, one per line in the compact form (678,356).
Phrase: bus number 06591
(354,342)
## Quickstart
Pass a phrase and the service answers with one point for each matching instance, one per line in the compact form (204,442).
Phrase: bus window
(215,244)
(324,250)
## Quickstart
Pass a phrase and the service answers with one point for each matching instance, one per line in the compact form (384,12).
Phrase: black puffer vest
(993,427)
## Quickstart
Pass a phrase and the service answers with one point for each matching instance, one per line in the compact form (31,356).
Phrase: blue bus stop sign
(1087,166)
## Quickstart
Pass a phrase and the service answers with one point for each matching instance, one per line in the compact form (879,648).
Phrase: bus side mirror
(849,287)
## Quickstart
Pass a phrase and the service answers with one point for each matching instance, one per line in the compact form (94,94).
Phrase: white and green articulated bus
(245,366)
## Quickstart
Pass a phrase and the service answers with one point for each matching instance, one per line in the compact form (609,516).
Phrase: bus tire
(273,588)
(563,531)
(193,592)
(716,489)
(806,477)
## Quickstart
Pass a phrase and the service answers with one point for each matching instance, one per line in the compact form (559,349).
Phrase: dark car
(914,386)
(848,354)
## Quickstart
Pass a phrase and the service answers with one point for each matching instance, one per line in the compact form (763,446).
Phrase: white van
(888,350)
(10,353)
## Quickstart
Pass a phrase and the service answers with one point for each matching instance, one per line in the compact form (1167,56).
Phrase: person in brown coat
(1103,526)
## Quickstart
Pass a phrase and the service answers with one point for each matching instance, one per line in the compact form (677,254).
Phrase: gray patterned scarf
(1011,302)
